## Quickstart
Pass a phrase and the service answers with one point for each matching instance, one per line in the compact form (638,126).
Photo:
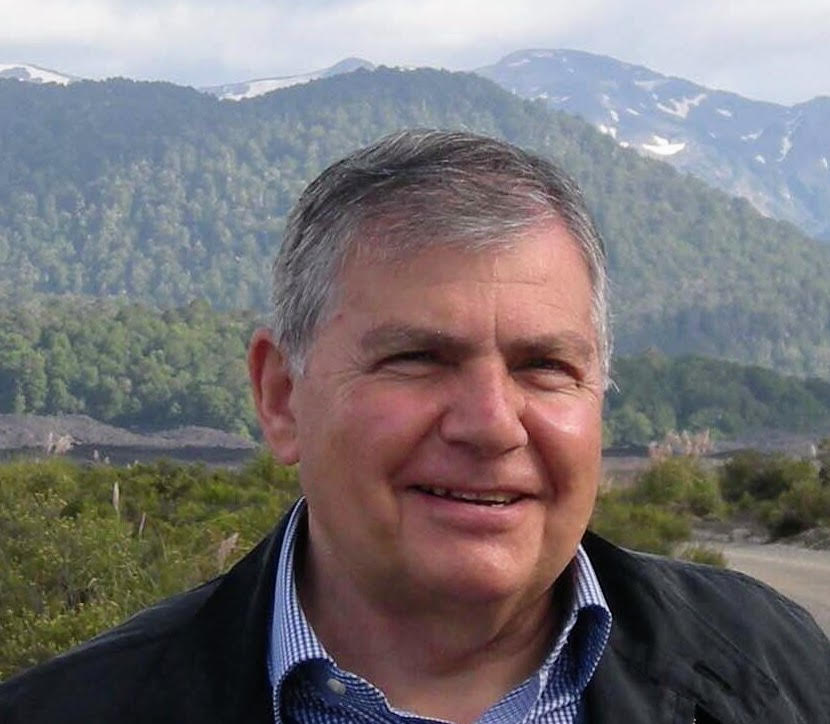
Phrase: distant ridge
(258,87)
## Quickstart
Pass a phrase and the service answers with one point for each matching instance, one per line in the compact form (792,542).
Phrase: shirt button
(337,686)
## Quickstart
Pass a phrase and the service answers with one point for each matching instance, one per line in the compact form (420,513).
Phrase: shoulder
(710,595)
(701,621)
(704,595)
(100,676)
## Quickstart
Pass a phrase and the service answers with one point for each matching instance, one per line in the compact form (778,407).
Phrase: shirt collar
(293,641)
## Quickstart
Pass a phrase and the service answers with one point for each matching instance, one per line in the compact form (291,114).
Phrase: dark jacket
(687,642)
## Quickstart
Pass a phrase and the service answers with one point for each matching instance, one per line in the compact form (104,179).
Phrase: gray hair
(427,188)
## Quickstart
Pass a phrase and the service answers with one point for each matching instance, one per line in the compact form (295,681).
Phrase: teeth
(490,498)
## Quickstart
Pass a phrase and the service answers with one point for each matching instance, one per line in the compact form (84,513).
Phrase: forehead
(386,249)
(538,277)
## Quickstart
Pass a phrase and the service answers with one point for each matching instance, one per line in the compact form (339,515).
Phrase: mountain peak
(34,74)
(773,155)
(261,86)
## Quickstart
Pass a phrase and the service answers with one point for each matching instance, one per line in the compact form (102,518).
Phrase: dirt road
(802,575)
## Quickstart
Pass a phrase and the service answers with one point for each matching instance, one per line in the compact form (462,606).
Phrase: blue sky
(778,51)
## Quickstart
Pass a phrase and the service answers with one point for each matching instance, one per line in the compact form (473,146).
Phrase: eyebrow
(395,336)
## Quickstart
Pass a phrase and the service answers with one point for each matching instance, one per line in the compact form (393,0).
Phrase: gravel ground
(33,431)
(800,574)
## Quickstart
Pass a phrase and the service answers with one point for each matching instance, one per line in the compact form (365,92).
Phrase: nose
(484,411)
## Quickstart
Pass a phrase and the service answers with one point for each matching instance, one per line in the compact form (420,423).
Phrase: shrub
(805,505)
(72,565)
(762,477)
(642,527)
(680,483)
(703,555)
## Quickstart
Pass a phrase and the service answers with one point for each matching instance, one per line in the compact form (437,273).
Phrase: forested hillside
(127,365)
(163,195)
(655,395)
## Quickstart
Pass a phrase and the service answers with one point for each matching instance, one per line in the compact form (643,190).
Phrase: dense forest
(141,368)
(127,365)
(654,395)
(164,195)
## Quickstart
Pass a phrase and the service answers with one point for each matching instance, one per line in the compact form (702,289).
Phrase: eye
(411,355)
(548,363)
(412,361)
(550,372)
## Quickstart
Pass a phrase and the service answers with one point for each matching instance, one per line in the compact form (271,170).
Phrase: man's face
(448,425)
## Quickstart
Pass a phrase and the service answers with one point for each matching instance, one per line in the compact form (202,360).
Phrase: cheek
(373,430)
(567,434)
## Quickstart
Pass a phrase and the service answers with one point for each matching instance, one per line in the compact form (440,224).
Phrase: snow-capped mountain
(253,88)
(777,157)
(34,74)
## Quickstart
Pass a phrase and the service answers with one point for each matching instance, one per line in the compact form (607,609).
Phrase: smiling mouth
(490,498)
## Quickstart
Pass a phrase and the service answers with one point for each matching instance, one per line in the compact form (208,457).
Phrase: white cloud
(761,48)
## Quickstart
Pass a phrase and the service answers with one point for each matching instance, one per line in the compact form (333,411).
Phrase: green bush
(702,554)
(643,527)
(76,559)
(680,483)
(762,477)
(805,505)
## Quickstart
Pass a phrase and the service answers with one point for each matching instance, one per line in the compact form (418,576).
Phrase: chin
(476,581)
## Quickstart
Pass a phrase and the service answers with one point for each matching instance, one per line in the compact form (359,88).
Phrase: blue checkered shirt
(309,687)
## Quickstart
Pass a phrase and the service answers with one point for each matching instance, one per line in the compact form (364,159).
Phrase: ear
(272,383)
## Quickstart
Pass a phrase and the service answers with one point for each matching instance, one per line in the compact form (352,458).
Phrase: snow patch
(33,74)
(517,63)
(824,163)
(632,111)
(614,116)
(608,130)
(545,54)
(543,95)
(680,108)
(663,147)
(256,88)
(724,112)
(760,159)
(624,144)
(784,149)
(649,85)
(260,86)
(752,136)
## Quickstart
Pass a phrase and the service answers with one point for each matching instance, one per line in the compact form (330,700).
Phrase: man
(436,368)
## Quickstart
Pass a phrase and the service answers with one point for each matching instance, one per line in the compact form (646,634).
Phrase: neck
(433,658)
